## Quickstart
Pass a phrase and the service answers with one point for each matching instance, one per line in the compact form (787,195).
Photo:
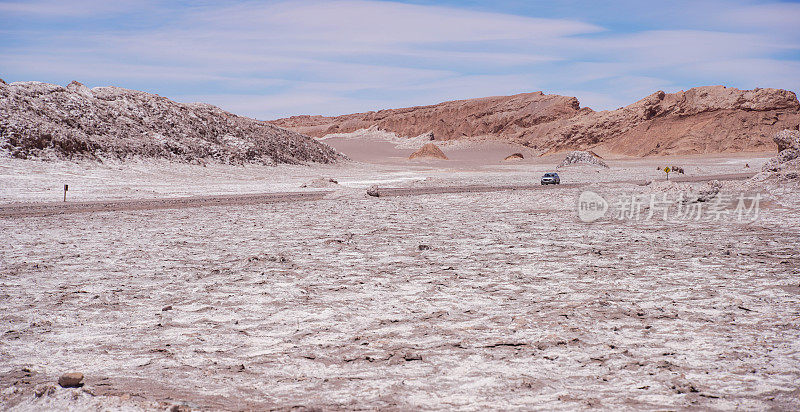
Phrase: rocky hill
(710,119)
(46,120)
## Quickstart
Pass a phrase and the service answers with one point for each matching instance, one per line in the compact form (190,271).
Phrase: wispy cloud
(60,8)
(281,58)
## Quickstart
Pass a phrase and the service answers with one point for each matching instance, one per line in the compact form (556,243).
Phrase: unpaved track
(55,208)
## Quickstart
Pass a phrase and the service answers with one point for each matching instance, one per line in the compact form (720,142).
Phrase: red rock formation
(711,119)
(496,116)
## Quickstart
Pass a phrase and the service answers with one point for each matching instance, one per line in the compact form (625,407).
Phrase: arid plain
(467,300)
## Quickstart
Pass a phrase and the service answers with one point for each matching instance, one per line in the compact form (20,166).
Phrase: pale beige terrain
(47,121)
(330,303)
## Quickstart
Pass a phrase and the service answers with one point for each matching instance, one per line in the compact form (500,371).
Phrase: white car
(551,179)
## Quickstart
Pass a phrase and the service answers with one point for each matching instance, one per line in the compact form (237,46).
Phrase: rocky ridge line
(40,120)
(710,119)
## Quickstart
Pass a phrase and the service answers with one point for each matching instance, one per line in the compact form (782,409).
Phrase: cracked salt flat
(330,304)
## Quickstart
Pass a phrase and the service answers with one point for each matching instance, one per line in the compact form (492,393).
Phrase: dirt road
(55,208)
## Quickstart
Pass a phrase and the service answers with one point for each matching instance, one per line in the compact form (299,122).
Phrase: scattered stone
(787,139)
(681,386)
(787,162)
(166,308)
(79,88)
(373,191)
(321,182)
(676,169)
(514,156)
(582,157)
(423,247)
(412,357)
(711,192)
(44,390)
(428,151)
(71,380)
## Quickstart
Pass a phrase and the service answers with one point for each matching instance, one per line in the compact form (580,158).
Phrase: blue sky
(269,59)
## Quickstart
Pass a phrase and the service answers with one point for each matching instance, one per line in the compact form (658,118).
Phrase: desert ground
(317,296)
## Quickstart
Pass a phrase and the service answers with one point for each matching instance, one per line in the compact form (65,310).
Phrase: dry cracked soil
(453,301)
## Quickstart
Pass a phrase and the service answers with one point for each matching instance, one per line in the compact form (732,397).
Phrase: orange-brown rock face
(505,116)
(711,119)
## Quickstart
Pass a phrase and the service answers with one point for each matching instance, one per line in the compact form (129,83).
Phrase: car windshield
(548,175)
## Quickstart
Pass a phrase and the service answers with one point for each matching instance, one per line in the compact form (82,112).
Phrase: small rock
(373,191)
(514,156)
(71,380)
(412,357)
(79,88)
(166,308)
(321,182)
(423,247)
(44,390)
(582,157)
(787,139)
(710,192)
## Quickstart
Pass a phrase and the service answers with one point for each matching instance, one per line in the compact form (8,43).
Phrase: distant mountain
(711,119)
(46,120)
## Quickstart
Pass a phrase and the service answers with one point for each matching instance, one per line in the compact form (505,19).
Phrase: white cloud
(372,22)
(753,73)
(60,8)
(276,59)
(266,107)
(771,16)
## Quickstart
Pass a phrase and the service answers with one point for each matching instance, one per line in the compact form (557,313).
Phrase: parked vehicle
(551,179)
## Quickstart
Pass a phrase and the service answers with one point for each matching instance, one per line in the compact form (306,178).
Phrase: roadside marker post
(66,187)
